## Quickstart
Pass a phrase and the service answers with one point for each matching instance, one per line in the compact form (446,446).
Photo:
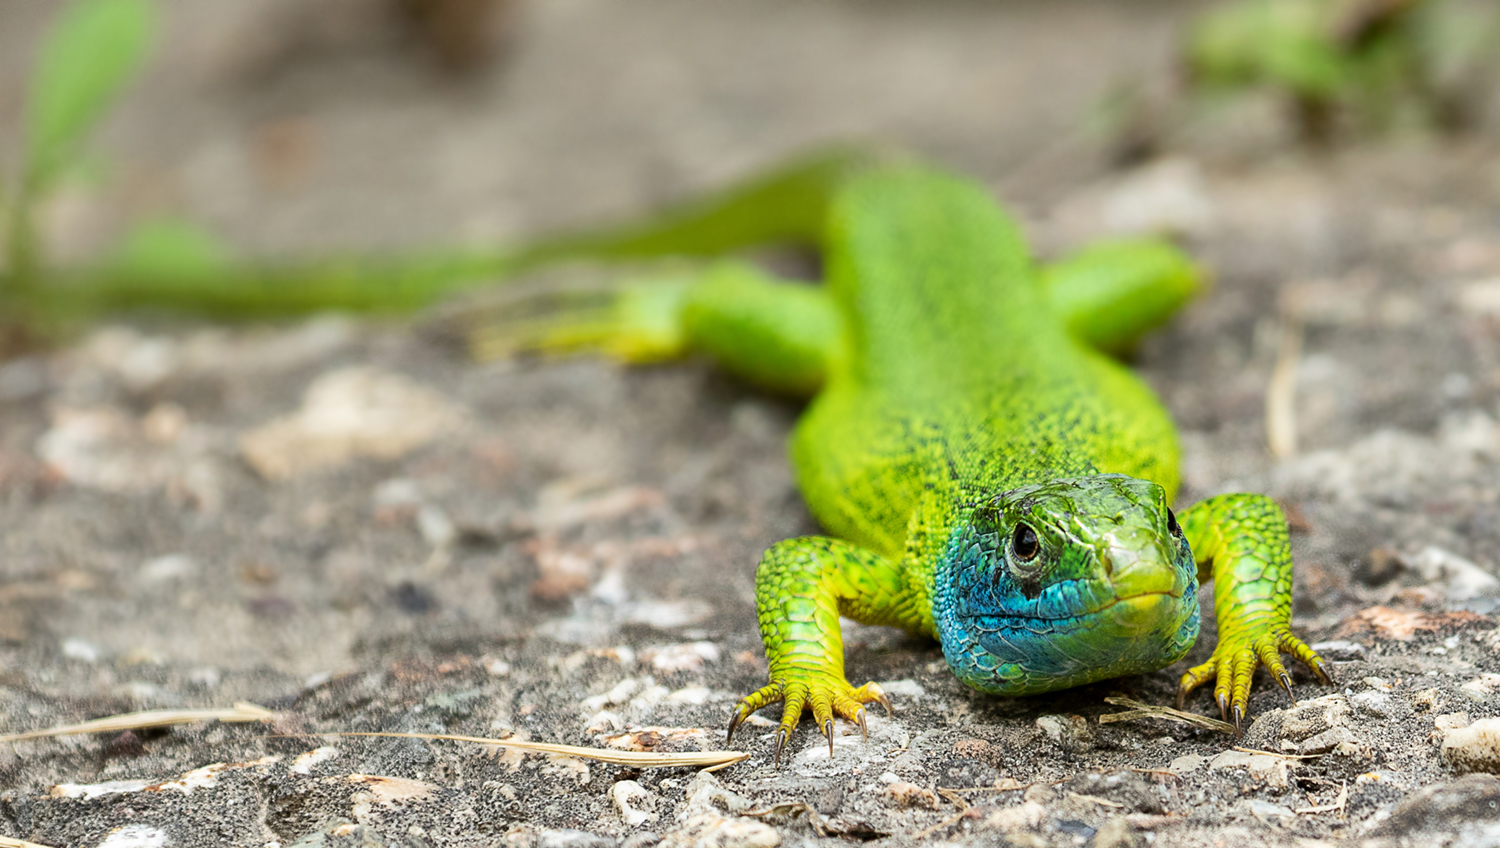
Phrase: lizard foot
(825,695)
(1233,665)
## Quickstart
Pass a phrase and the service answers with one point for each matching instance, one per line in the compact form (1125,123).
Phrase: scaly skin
(987,475)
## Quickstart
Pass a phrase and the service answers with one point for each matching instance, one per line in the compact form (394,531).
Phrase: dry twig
(1140,709)
(240,712)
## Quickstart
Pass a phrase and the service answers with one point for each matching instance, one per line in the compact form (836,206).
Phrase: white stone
(688,656)
(908,687)
(1025,816)
(634,802)
(306,760)
(1186,763)
(351,412)
(1272,770)
(1376,703)
(1266,810)
(1464,579)
(169,567)
(135,836)
(694,695)
(1481,689)
(437,529)
(78,649)
(604,721)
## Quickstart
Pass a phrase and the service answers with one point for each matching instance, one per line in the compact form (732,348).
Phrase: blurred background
(284,127)
(484,547)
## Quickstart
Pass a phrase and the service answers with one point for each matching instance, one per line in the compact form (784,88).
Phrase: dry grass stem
(1275,754)
(240,712)
(1103,802)
(707,760)
(7,842)
(1140,709)
(1338,803)
(1004,784)
(963,809)
(1281,395)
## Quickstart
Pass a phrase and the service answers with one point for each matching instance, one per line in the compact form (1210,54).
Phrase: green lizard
(987,475)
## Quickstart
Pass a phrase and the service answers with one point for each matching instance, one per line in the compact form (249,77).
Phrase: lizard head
(1063,583)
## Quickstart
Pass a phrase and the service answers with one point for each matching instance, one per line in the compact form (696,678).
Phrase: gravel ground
(354,526)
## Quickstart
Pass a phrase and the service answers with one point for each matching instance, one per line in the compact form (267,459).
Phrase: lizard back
(955,377)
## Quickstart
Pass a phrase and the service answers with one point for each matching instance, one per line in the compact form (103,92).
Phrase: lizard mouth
(1130,602)
(1081,600)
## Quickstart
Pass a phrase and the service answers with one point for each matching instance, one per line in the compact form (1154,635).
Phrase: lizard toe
(763,697)
(1232,668)
(1195,677)
(1296,647)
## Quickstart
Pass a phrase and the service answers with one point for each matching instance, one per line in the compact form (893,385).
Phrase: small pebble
(169,567)
(78,649)
(908,687)
(1340,651)
(1265,809)
(904,794)
(1375,703)
(1071,733)
(634,802)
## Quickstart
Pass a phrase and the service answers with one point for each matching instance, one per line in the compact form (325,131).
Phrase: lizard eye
(1172,526)
(1024,544)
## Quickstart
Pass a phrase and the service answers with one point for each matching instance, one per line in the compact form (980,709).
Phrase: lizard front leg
(1241,543)
(801,588)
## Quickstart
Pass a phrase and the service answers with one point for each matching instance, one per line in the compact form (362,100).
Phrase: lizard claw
(1320,669)
(764,696)
(824,695)
(1233,664)
(734,721)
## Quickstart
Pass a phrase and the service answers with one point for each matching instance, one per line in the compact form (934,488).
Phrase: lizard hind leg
(778,334)
(635,318)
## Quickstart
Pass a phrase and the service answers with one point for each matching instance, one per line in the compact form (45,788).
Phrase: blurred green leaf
(92,50)
(1280,42)
(171,250)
